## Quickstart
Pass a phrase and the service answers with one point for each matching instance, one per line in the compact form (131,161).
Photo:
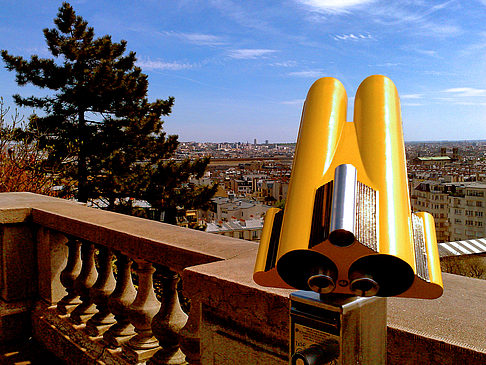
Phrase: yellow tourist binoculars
(347,226)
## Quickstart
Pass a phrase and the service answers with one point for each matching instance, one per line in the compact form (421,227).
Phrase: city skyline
(240,71)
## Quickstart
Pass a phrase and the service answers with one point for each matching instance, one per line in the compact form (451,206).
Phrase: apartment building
(458,208)
(231,208)
(250,229)
(432,197)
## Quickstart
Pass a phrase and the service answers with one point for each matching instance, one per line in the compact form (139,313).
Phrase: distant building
(250,229)
(231,208)
(435,160)
(457,207)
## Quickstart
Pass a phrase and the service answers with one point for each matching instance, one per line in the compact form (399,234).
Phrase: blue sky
(240,70)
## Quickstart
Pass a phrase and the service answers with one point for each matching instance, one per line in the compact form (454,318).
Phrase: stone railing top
(153,241)
(455,319)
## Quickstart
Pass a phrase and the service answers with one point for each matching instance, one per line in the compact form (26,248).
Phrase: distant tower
(443,151)
(266,141)
(254,142)
(455,153)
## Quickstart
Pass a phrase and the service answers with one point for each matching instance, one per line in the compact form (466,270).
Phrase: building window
(479,204)
(478,214)
(457,221)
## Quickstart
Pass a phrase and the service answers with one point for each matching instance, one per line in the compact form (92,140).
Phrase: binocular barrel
(347,226)
(343,208)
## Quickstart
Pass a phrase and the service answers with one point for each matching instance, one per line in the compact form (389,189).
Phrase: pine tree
(98,127)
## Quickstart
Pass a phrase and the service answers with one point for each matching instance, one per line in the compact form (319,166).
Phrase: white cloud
(333,6)
(426,52)
(411,96)
(200,39)
(353,37)
(250,53)
(466,91)
(416,14)
(293,102)
(149,64)
(284,64)
(441,29)
(308,74)
(411,104)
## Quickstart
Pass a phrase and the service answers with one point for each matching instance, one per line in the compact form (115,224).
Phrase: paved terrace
(57,284)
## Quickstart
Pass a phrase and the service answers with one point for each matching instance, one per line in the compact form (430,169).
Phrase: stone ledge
(444,330)
(405,348)
(153,241)
(14,215)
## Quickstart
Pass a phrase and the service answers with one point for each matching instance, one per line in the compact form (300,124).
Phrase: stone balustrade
(85,280)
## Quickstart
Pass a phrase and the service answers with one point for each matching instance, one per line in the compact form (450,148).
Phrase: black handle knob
(317,354)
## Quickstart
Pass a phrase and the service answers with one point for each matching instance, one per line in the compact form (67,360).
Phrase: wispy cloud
(411,104)
(441,29)
(249,53)
(426,52)
(353,37)
(293,102)
(465,91)
(236,11)
(284,64)
(149,64)
(389,64)
(200,39)
(332,6)
(411,96)
(307,74)
(419,15)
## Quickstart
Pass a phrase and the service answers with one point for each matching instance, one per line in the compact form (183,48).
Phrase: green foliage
(98,127)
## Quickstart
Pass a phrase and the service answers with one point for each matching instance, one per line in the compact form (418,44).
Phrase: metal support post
(337,329)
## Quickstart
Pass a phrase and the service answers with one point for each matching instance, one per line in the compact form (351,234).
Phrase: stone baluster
(100,292)
(168,323)
(68,277)
(119,303)
(189,335)
(83,283)
(144,308)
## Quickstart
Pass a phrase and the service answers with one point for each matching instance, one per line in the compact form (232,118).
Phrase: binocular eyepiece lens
(381,275)
(321,283)
(364,286)
(308,270)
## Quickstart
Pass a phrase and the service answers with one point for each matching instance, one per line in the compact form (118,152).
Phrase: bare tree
(21,161)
